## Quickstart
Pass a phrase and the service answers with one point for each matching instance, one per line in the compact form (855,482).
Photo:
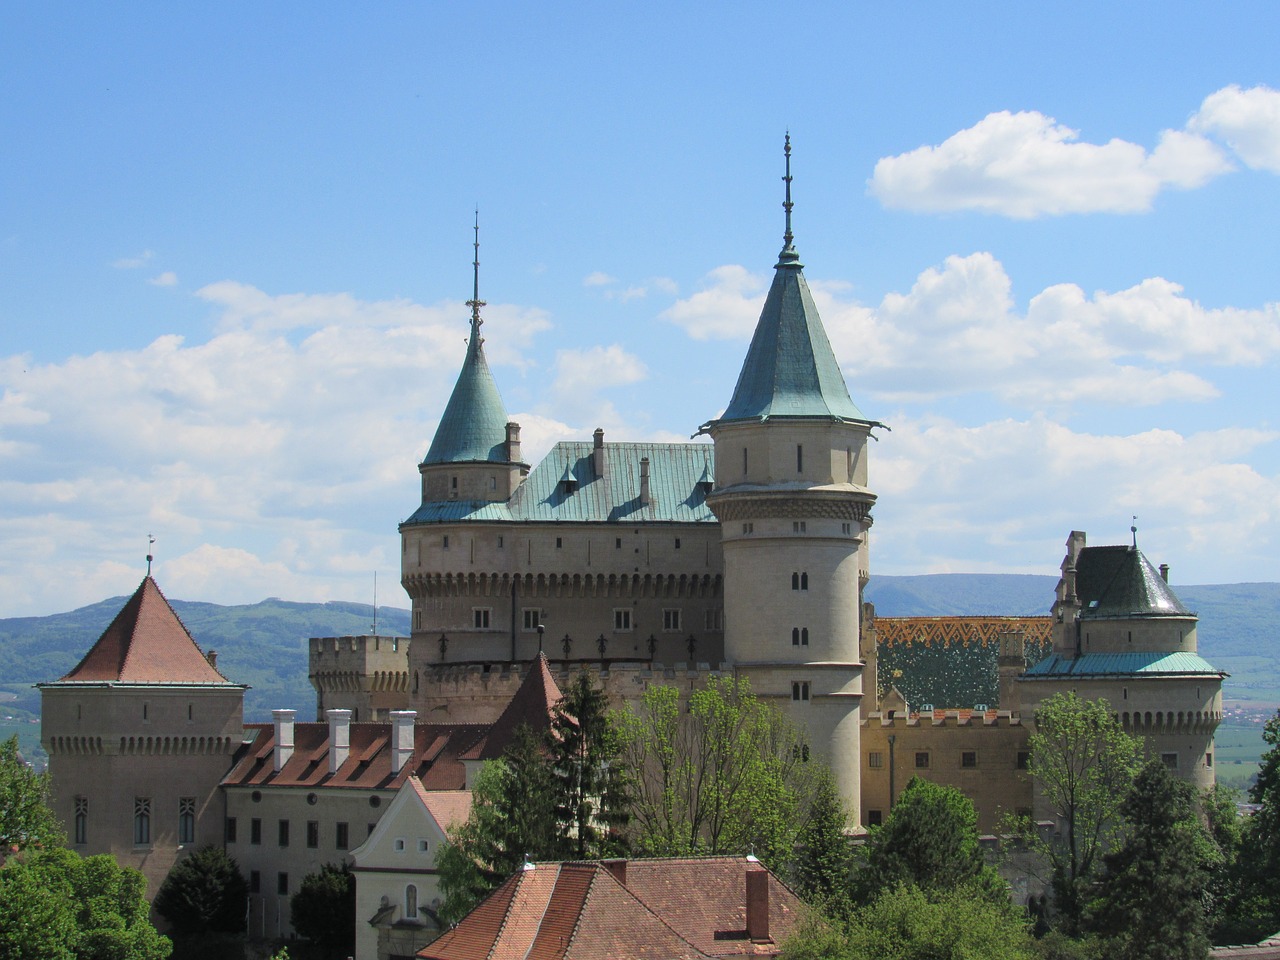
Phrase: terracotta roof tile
(534,703)
(146,643)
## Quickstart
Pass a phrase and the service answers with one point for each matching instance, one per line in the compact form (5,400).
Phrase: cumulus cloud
(1027,165)
(610,291)
(958,331)
(1248,120)
(598,279)
(134,262)
(166,279)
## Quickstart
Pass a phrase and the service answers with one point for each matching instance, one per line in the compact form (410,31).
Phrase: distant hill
(264,644)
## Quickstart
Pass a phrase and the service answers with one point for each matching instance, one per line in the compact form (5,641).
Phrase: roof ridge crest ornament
(475,303)
(788,256)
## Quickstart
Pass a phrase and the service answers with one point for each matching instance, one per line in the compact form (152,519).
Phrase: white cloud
(166,279)
(1027,165)
(957,331)
(598,279)
(134,262)
(1248,120)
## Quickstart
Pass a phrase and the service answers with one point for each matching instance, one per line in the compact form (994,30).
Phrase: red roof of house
(145,643)
(641,909)
(534,704)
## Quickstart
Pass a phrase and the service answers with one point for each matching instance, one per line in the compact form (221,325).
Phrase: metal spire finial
(787,204)
(150,540)
(475,303)
(1134,530)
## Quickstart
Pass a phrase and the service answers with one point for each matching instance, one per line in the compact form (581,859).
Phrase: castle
(643,563)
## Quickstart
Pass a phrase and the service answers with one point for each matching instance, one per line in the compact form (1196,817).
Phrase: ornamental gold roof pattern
(945,631)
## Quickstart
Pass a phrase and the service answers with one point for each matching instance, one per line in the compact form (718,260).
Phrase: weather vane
(150,541)
(475,303)
(1134,530)
(787,204)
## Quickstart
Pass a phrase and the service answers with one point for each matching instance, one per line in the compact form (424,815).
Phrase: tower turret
(792,499)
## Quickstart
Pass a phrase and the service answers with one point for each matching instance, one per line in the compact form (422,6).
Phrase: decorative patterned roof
(1119,582)
(146,643)
(677,908)
(677,490)
(1150,664)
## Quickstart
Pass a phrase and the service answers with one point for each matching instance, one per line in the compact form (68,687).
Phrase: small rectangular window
(1208,759)
(499,543)
(422,846)
(559,542)
(313,834)
(875,759)
(229,830)
(1024,759)
(82,820)
(922,760)
(622,618)
(713,620)
(282,834)
(255,881)
(255,831)
(799,458)
(800,690)
(141,820)
(445,541)
(671,620)
(748,528)
(617,543)
(875,818)
(341,837)
(798,526)
(530,618)
(968,759)
(480,618)
(187,820)
(1170,760)
(846,528)
(282,884)
(398,845)
(677,543)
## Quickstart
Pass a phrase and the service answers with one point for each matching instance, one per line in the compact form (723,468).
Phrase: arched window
(141,820)
(795,581)
(804,581)
(795,636)
(804,636)
(411,902)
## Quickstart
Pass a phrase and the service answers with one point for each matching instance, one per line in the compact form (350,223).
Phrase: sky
(236,246)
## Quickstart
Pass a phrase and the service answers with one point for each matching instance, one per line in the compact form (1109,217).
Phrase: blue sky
(235,246)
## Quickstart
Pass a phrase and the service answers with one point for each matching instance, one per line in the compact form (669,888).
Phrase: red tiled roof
(677,909)
(436,758)
(145,643)
(447,807)
(534,703)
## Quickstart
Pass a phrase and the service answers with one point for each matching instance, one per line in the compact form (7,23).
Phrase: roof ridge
(601,868)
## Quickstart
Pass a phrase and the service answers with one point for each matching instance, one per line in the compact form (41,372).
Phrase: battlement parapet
(946,718)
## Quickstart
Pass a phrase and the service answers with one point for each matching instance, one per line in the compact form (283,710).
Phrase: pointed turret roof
(790,370)
(1119,581)
(533,704)
(145,643)
(474,425)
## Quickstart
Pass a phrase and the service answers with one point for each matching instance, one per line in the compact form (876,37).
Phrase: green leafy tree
(930,841)
(591,785)
(907,923)
(513,815)
(56,904)
(1150,900)
(1227,830)
(25,817)
(823,864)
(729,775)
(1083,764)
(204,893)
(324,910)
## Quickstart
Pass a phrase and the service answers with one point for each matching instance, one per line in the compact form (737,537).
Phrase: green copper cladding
(474,425)
(790,370)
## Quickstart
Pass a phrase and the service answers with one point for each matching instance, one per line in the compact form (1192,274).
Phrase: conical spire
(790,370)
(474,424)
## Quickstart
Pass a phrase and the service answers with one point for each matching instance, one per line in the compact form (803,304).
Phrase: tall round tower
(792,499)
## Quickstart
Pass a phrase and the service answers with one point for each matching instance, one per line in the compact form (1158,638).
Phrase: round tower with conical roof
(792,498)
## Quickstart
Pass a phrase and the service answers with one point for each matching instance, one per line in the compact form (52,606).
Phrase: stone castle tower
(139,735)
(794,509)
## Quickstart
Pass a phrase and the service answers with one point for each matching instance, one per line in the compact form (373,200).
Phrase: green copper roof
(790,370)
(676,493)
(474,425)
(1119,582)
(1126,665)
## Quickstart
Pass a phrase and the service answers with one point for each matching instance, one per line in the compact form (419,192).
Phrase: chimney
(757,904)
(212,657)
(339,738)
(284,737)
(1164,572)
(401,737)
(597,454)
(644,482)
(513,442)
(618,868)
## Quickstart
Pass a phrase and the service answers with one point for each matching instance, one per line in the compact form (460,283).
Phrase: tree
(930,841)
(823,862)
(324,909)
(1150,900)
(204,893)
(513,804)
(25,817)
(56,904)
(1083,764)
(907,923)
(1227,922)
(590,780)
(730,775)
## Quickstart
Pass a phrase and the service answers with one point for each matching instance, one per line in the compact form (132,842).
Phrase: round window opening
(375,801)
(312,798)
(256,796)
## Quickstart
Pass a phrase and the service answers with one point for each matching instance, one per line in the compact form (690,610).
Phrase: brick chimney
(284,737)
(401,737)
(757,904)
(597,453)
(339,738)
(513,442)
(1164,572)
(618,868)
